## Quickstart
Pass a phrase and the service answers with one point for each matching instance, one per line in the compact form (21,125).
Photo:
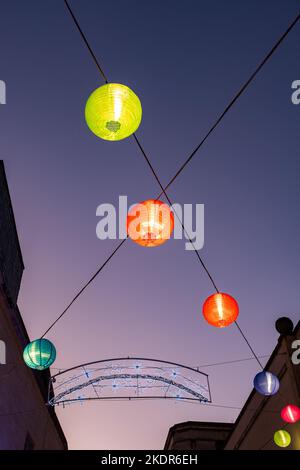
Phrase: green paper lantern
(113,112)
(282,438)
(39,354)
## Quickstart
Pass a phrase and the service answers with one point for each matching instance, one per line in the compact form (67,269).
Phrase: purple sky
(185,60)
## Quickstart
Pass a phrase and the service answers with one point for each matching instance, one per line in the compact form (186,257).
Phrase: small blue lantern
(266,383)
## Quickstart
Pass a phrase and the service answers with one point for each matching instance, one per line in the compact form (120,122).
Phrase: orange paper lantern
(150,223)
(290,414)
(220,310)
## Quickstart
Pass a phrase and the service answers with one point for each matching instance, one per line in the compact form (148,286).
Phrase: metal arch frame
(198,396)
(85,364)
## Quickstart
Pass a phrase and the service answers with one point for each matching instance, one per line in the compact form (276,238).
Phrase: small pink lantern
(290,413)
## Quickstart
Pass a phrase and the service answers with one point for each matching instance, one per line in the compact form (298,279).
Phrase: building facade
(260,417)
(194,435)
(26,422)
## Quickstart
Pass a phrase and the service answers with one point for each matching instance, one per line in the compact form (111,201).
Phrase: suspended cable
(234,361)
(114,252)
(84,287)
(229,407)
(202,366)
(209,405)
(86,42)
(232,102)
(249,345)
(170,202)
(238,94)
(198,256)
(138,143)
(228,107)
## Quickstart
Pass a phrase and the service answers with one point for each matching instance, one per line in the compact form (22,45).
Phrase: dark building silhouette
(260,417)
(194,435)
(26,421)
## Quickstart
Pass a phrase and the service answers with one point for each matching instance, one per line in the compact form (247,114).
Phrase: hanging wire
(202,366)
(170,202)
(232,102)
(198,256)
(85,286)
(209,405)
(238,94)
(164,193)
(156,177)
(86,42)
(249,345)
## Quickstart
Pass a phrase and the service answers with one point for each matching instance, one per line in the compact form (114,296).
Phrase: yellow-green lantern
(282,438)
(113,112)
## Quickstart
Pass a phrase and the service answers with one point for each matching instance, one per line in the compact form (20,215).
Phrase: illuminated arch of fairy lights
(129,378)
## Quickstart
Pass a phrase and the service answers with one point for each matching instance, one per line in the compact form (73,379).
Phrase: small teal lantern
(39,354)
(266,383)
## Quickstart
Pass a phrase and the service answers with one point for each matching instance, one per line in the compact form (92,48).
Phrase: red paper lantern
(150,223)
(290,414)
(220,310)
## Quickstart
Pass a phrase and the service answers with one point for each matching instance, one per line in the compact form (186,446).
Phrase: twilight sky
(185,60)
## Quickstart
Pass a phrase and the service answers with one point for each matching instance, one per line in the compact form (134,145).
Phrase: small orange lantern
(150,223)
(220,310)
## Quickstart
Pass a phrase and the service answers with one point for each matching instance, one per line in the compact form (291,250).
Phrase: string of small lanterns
(113,112)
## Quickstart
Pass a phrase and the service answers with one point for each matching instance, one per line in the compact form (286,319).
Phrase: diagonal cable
(238,94)
(232,102)
(85,286)
(86,42)
(179,219)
